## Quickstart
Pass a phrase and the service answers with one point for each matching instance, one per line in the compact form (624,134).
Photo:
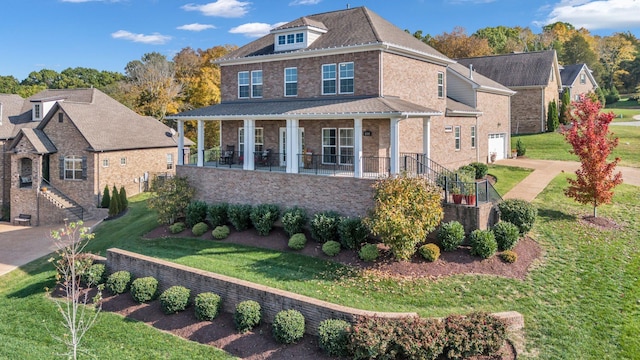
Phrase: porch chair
(226,157)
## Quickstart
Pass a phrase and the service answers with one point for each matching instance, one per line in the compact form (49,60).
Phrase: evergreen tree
(563,116)
(114,206)
(105,198)
(552,117)
(124,203)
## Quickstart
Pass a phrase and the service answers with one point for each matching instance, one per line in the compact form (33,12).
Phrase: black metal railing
(61,200)
(325,164)
(375,167)
(269,161)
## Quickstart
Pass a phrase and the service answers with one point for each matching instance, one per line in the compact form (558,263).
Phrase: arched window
(25,172)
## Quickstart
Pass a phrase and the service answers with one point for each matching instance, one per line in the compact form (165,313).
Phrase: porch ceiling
(322,108)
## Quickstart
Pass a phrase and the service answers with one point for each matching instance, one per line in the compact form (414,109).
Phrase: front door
(45,167)
(283,145)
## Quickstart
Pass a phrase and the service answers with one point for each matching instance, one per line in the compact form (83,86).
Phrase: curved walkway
(545,170)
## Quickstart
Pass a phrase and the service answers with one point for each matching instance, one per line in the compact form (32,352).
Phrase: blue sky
(107,34)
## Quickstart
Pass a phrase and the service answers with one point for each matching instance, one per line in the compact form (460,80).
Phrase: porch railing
(325,164)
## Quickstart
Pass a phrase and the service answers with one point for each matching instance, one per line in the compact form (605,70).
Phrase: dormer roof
(302,22)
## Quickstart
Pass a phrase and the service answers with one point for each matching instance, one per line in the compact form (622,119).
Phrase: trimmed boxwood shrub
(483,243)
(509,256)
(333,337)
(118,282)
(200,228)
(430,252)
(207,305)
(331,248)
(297,241)
(324,226)
(263,217)
(221,232)
(174,299)
(451,235)
(247,315)
(353,232)
(94,275)
(144,289)
(518,212)
(472,335)
(506,234)
(481,169)
(239,216)
(196,212)
(369,252)
(288,326)
(294,220)
(218,214)
(177,227)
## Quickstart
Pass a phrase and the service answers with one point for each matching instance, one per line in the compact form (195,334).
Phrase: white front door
(497,145)
(283,145)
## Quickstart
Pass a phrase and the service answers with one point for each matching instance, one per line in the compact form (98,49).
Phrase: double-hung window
(456,132)
(243,84)
(299,37)
(105,162)
(329,79)
(291,81)
(37,110)
(346,78)
(282,40)
(256,84)
(346,142)
(169,161)
(583,79)
(440,84)
(337,146)
(473,137)
(258,139)
(73,168)
(290,38)
(329,146)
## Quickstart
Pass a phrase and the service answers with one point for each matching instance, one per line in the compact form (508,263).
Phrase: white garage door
(497,144)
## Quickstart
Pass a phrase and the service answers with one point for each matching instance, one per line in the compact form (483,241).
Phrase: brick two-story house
(345,94)
(578,80)
(72,143)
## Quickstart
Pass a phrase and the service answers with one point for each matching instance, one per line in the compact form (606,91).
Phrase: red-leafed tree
(592,142)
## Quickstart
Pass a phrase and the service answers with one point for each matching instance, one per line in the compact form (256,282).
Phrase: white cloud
(593,15)
(304,2)
(221,8)
(254,29)
(195,27)
(154,38)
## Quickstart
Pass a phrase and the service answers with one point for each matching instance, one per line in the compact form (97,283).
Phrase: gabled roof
(313,108)
(301,22)
(14,116)
(38,139)
(569,74)
(480,81)
(456,108)
(515,70)
(345,29)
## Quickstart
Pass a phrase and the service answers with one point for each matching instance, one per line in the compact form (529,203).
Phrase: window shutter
(84,168)
(61,165)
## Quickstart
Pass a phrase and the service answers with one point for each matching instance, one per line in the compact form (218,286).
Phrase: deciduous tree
(172,196)
(457,44)
(592,142)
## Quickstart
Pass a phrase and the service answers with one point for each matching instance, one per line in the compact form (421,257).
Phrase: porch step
(61,201)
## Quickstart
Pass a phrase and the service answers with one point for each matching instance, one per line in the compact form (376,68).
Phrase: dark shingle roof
(351,27)
(39,140)
(13,116)
(303,21)
(310,108)
(515,70)
(569,73)
(481,80)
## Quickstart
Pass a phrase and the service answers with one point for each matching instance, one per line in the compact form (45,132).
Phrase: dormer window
(298,34)
(37,111)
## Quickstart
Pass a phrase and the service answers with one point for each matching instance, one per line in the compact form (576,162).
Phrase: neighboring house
(578,80)
(73,143)
(535,76)
(345,94)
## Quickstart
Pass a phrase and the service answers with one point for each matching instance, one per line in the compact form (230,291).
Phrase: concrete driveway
(20,245)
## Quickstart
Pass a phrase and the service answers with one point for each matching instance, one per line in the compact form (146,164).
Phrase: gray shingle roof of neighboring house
(310,108)
(483,82)
(13,116)
(351,27)
(515,70)
(569,73)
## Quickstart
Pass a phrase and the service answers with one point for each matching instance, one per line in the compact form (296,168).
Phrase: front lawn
(507,177)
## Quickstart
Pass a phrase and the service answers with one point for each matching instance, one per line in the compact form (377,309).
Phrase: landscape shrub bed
(324,226)
(118,282)
(174,299)
(207,305)
(331,248)
(239,216)
(333,337)
(200,228)
(144,289)
(450,235)
(263,217)
(369,252)
(217,214)
(518,212)
(506,234)
(352,232)
(288,326)
(177,227)
(196,212)
(293,220)
(472,335)
(483,243)
(94,275)
(221,232)
(430,252)
(297,241)
(247,315)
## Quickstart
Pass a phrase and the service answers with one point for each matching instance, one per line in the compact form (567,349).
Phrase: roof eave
(318,116)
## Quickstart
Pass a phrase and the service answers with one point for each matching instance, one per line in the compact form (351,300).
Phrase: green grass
(552,146)
(507,176)
(623,115)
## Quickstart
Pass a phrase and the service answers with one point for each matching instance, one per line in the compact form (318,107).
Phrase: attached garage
(498,145)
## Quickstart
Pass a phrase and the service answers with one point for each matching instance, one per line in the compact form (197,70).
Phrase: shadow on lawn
(549,214)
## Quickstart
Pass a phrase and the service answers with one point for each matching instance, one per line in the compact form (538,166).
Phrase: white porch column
(394,134)
(200,142)
(357,147)
(249,144)
(180,125)
(426,137)
(293,145)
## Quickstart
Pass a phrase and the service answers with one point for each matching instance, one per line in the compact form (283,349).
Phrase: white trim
(457,136)
(321,116)
(341,146)
(322,145)
(257,84)
(340,78)
(357,147)
(474,136)
(248,84)
(322,79)
(290,82)
(440,86)
(394,148)
(200,143)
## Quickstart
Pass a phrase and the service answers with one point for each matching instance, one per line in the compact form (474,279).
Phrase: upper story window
(169,161)
(291,81)
(440,84)
(473,136)
(346,78)
(328,79)
(105,162)
(342,74)
(37,111)
(299,37)
(256,84)
(457,137)
(583,79)
(282,39)
(243,84)
(123,161)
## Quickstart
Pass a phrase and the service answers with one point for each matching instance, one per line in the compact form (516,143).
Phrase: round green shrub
(297,241)
(207,305)
(509,256)
(481,169)
(451,235)
(174,299)
(221,232)
(324,226)
(288,326)
(118,282)
(94,275)
(369,252)
(177,227)
(483,243)
(353,232)
(506,234)
(263,217)
(294,220)
(331,248)
(247,315)
(218,214)
(333,337)
(518,212)
(200,228)
(430,252)
(196,212)
(239,215)
(144,289)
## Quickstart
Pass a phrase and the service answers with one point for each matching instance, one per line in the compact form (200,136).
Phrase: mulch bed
(259,343)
